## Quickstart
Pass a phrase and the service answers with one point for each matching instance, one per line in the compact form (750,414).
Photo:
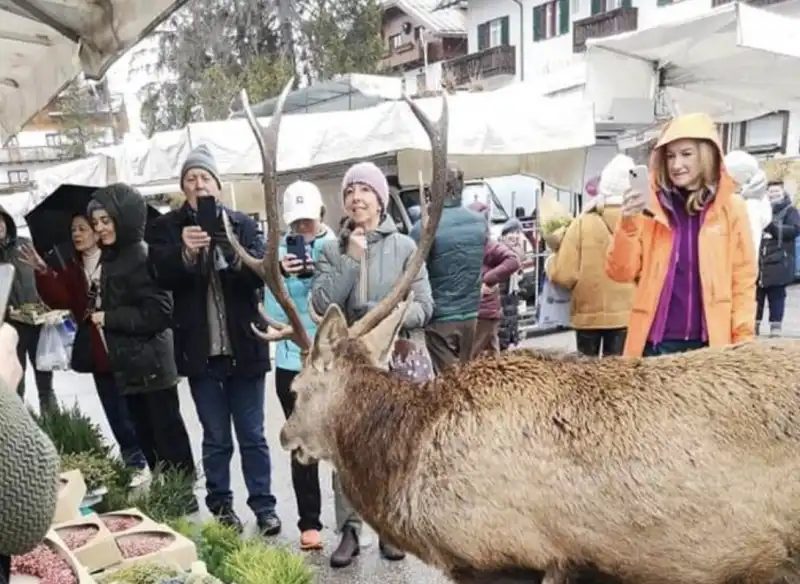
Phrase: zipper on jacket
(691,280)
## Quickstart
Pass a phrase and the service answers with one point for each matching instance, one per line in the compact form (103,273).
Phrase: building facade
(547,41)
(52,138)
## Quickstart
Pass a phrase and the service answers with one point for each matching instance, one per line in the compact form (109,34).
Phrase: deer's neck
(380,430)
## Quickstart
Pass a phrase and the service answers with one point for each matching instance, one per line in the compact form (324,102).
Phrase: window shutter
(663,2)
(483,32)
(627,4)
(504,37)
(563,16)
(597,6)
(538,33)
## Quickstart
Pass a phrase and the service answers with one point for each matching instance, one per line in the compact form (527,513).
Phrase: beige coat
(579,265)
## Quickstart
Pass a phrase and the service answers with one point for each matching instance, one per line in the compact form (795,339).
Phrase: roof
(348,92)
(46,44)
(441,21)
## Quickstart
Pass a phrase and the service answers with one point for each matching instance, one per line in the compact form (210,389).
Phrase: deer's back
(675,464)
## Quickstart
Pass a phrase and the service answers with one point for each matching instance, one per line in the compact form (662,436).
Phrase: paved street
(369,568)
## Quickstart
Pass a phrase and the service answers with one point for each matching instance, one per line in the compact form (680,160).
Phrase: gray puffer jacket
(338,276)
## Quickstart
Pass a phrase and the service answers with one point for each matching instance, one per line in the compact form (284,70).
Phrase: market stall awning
(45,44)
(735,62)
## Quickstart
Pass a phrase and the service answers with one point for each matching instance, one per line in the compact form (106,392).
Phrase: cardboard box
(100,551)
(143,520)
(71,491)
(180,551)
(54,542)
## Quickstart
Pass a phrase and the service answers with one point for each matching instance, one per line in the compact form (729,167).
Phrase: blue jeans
(220,398)
(119,418)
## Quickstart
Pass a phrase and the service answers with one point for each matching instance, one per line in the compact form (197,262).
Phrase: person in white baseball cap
(302,212)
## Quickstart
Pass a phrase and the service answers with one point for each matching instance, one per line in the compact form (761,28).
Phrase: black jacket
(777,255)
(242,289)
(137,312)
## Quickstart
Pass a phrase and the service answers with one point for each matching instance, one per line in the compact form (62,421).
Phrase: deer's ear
(380,340)
(332,329)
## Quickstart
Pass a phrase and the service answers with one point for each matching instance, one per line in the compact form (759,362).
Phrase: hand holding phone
(207,217)
(296,261)
(637,199)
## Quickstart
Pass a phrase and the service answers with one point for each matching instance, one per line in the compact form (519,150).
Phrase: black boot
(228,517)
(347,550)
(390,552)
(269,524)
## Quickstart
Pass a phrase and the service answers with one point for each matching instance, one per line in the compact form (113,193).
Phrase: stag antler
(430,221)
(268,268)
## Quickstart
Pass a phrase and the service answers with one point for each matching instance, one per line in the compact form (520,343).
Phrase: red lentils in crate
(44,563)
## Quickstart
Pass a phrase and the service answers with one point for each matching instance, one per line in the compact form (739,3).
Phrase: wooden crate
(54,542)
(101,551)
(71,491)
(180,552)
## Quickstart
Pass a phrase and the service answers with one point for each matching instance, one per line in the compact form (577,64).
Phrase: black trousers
(156,416)
(593,342)
(26,348)
(305,478)
(5,569)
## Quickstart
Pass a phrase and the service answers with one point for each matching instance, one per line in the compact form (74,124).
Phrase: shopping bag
(554,306)
(410,359)
(53,350)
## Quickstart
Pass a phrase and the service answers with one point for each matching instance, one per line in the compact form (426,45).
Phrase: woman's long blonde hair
(710,163)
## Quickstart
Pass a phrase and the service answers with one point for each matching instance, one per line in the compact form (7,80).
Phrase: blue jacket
(455,261)
(287,353)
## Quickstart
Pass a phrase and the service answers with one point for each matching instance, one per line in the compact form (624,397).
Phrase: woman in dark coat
(74,287)
(508,334)
(134,315)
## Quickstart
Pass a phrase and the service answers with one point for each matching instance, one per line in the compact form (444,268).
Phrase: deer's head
(338,351)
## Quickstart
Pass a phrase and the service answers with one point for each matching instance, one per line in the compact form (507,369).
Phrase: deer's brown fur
(680,469)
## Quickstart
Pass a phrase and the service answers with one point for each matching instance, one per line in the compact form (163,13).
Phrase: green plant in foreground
(215,543)
(97,470)
(140,574)
(257,563)
(168,496)
(71,431)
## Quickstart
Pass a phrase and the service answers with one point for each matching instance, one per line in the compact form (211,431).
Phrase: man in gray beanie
(216,298)
(454,270)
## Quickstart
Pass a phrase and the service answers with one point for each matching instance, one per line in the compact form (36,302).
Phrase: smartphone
(207,217)
(296,245)
(7,272)
(640,181)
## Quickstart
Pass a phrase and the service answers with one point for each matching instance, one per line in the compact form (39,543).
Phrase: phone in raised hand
(640,182)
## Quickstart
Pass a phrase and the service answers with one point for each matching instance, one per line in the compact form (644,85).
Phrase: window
(54,140)
(767,133)
(550,19)
(395,41)
(575,7)
(599,6)
(417,33)
(16,177)
(493,33)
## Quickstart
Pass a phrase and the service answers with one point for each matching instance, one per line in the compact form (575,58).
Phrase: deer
(533,466)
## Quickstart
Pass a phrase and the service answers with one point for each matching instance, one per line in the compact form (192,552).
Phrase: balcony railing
(602,25)
(758,3)
(17,154)
(96,107)
(499,60)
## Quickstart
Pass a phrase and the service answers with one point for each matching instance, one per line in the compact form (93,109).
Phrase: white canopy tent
(735,62)
(45,44)
(513,130)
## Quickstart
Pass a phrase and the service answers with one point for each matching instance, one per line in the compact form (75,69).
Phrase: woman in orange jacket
(687,245)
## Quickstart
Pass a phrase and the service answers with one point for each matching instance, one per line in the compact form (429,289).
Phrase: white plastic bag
(554,307)
(53,350)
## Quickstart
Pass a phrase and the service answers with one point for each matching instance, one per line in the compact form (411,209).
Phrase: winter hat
(511,226)
(368,174)
(615,180)
(202,158)
(301,200)
(741,166)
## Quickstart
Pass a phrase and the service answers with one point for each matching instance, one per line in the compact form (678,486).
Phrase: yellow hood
(696,127)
